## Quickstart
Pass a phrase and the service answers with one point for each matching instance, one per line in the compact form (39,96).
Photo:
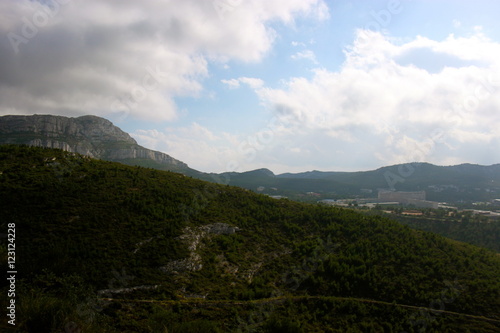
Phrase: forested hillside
(485,234)
(105,247)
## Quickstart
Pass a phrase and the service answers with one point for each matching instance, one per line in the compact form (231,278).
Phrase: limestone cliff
(88,135)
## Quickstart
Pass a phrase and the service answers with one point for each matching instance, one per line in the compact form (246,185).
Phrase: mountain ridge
(87,135)
(99,138)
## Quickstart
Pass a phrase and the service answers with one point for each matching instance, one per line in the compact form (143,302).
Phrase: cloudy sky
(290,85)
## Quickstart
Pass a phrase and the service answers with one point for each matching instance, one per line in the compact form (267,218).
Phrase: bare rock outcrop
(92,136)
(193,238)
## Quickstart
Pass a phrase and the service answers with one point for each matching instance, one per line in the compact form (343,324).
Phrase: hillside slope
(107,247)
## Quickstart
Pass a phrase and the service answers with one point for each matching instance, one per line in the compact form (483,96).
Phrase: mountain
(99,138)
(88,135)
(442,183)
(412,174)
(268,183)
(105,247)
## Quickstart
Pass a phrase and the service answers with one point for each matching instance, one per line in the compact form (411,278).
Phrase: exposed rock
(87,135)
(193,237)
(225,266)
(219,229)
(248,275)
(140,244)
(191,264)
(125,290)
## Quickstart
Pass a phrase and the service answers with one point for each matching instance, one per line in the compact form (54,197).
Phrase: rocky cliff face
(88,135)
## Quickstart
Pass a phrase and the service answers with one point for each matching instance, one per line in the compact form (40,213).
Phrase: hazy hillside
(106,247)
(264,178)
(466,182)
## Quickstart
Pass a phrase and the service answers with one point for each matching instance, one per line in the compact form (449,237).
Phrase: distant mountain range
(465,182)
(99,138)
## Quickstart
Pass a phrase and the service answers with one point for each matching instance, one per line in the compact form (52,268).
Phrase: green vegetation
(106,247)
(476,230)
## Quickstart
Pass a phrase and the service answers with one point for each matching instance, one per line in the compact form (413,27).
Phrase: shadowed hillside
(105,247)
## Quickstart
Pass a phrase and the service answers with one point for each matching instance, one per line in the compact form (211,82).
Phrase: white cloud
(390,108)
(253,83)
(232,83)
(306,54)
(195,144)
(295,44)
(133,57)
(384,106)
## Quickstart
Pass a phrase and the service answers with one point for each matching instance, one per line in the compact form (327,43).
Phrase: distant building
(423,203)
(278,197)
(445,206)
(486,213)
(400,196)
(327,201)
(416,199)
(412,213)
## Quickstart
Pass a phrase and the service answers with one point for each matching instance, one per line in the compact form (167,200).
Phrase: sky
(288,85)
